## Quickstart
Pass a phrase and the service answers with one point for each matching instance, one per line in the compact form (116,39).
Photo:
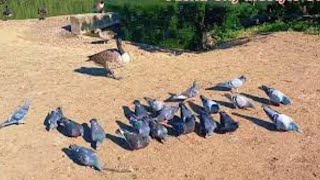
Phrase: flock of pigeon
(154,121)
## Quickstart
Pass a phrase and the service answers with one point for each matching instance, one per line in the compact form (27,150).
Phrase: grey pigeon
(207,124)
(54,118)
(276,96)
(227,124)
(71,128)
(234,83)
(154,104)
(187,94)
(158,131)
(187,123)
(281,121)
(139,110)
(97,133)
(135,141)
(167,113)
(140,125)
(85,156)
(43,13)
(241,102)
(209,105)
(18,116)
(7,13)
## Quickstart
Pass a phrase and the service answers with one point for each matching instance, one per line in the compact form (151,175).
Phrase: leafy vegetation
(183,24)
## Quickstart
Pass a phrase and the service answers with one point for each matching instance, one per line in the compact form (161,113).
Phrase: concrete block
(85,23)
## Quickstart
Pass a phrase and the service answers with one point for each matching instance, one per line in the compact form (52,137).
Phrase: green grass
(169,24)
(278,26)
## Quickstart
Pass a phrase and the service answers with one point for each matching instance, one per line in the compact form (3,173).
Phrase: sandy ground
(39,61)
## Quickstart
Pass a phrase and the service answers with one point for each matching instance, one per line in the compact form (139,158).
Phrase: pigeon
(135,141)
(281,121)
(139,110)
(234,83)
(209,105)
(227,124)
(158,131)
(276,96)
(18,116)
(167,113)
(97,133)
(71,128)
(155,105)
(54,118)
(188,94)
(140,125)
(7,13)
(43,13)
(207,124)
(241,102)
(187,123)
(85,156)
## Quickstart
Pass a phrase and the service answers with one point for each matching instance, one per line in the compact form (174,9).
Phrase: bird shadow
(153,49)
(100,42)
(218,88)
(169,126)
(87,133)
(256,98)
(127,112)
(171,99)
(195,107)
(267,125)
(197,129)
(125,126)
(92,71)
(67,28)
(119,141)
(46,122)
(225,104)
(233,43)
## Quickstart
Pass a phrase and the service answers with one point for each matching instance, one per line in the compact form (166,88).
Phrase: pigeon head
(243,78)
(101,2)
(203,98)
(222,113)
(293,127)
(119,41)
(73,147)
(264,88)
(92,121)
(136,102)
(286,100)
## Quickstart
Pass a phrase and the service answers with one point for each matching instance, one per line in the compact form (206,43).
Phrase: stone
(85,23)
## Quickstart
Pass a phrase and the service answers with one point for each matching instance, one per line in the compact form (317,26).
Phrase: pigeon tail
(270,112)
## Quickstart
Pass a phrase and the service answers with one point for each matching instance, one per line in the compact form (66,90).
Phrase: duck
(43,13)
(111,58)
(7,13)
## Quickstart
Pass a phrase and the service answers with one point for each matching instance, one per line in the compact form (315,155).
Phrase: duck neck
(121,50)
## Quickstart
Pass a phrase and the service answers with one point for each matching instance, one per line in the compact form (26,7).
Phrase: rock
(84,23)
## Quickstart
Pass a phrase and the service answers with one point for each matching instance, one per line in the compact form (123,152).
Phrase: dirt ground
(41,61)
